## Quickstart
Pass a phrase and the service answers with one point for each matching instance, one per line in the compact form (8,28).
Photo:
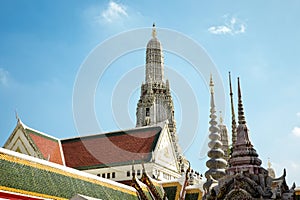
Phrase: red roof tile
(110,149)
(49,147)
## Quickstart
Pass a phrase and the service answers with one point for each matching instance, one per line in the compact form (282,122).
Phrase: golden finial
(153,31)
(269,163)
(211,84)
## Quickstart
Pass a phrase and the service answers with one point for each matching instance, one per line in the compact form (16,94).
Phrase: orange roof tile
(48,146)
(110,149)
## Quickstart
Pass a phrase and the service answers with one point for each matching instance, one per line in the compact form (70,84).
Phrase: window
(108,175)
(98,174)
(147,112)
(103,175)
(128,173)
(138,172)
(113,175)
(166,176)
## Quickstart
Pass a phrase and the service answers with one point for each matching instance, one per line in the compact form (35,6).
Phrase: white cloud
(298,114)
(3,76)
(219,30)
(114,12)
(231,26)
(296,131)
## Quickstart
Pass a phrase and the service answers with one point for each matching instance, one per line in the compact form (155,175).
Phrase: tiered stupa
(245,178)
(216,164)
(244,156)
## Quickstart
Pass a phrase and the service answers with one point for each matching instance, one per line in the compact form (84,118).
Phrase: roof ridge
(36,131)
(113,132)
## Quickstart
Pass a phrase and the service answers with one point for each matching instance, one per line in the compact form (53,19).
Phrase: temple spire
(211,84)
(244,156)
(212,100)
(233,123)
(221,118)
(216,163)
(224,136)
(241,116)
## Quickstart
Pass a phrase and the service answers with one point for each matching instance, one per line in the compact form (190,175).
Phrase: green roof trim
(23,177)
(160,190)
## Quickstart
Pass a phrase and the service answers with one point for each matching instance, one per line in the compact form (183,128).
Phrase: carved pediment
(245,184)
(238,194)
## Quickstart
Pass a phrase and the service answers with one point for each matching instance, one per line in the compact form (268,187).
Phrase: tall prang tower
(156,104)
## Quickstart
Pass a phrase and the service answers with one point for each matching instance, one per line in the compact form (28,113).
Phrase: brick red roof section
(110,149)
(49,147)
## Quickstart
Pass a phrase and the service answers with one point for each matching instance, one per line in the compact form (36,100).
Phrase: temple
(245,178)
(155,104)
(144,162)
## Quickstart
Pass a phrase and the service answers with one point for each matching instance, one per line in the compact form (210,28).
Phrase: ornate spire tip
(211,84)
(241,115)
(153,31)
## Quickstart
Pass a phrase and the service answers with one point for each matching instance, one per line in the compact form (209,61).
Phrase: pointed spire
(221,118)
(216,163)
(244,156)
(233,123)
(153,31)
(241,116)
(224,136)
(212,100)
(211,84)
(212,103)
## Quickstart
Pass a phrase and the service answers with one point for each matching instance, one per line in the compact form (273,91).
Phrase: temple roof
(111,149)
(47,147)
(26,175)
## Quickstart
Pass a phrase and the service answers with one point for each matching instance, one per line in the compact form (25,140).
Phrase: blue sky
(44,43)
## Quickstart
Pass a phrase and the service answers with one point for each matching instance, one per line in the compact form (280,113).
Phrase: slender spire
(221,118)
(216,163)
(241,116)
(211,84)
(224,136)
(233,123)
(244,156)
(212,100)
(153,31)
